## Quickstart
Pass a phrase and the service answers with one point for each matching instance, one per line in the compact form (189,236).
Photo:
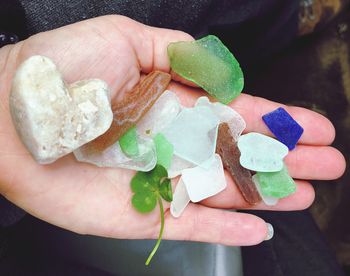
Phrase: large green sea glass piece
(128,142)
(276,184)
(209,64)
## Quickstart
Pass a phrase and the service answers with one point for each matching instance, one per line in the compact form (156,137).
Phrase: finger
(199,223)
(315,163)
(149,43)
(318,130)
(231,198)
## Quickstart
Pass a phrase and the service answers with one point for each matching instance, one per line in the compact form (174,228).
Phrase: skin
(90,200)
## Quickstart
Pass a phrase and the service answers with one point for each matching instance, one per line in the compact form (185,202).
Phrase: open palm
(91,200)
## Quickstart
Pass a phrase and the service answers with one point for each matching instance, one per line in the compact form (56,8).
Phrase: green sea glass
(128,142)
(208,63)
(276,184)
(164,149)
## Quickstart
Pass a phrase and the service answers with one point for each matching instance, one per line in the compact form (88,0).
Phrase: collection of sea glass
(150,126)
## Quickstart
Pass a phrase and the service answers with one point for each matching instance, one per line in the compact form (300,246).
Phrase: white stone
(180,200)
(161,114)
(114,157)
(268,200)
(226,114)
(202,183)
(193,133)
(52,118)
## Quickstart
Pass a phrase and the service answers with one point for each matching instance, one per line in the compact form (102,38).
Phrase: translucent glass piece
(261,153)
(276,184)
(225,114)
(284,127)
(227,148)
(178,165)
(161,114)
(268,200)
(202,183)
(208,63)
(180,199)
(114,157)
(193,134)
(164,149)
(128,142)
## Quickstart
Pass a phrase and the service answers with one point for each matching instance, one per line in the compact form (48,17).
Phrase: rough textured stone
(52,118)
(208,63)
(284,127)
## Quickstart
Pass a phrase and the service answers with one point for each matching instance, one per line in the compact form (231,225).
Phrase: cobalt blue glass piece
(284,127)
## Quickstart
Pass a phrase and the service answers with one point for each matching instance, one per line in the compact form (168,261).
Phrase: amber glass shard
(130,110)
(227,148)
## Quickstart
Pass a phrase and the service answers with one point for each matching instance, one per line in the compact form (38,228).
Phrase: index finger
(318,130)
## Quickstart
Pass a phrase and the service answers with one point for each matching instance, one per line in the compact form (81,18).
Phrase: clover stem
(160,232)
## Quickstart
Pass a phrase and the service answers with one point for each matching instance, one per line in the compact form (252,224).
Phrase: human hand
(90,200)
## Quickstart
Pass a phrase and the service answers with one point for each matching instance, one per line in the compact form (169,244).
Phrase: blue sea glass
(284,127)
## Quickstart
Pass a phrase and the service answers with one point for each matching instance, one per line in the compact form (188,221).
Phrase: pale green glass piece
(276,184)
(261,153)
(208,63)
(128,142)
(164,149)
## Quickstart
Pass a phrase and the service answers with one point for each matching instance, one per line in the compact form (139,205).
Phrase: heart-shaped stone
(52,118)
(261,153)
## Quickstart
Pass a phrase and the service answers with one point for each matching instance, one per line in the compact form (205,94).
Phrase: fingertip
(340,160)
(253,231)
(307,197)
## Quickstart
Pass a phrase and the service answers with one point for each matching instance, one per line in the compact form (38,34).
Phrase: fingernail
(269,232)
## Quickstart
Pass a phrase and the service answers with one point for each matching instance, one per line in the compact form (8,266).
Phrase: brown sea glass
(131,109)
(227,148)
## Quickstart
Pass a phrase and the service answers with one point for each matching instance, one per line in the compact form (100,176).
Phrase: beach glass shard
(261,153)
(227,148)
(193,134)
(129,111)
(114,157)
(284,127)
(180,199)
(162,113)
(202,183)
(178,165)
(208,63)
(164,150)
(276,184)
(128,142)
(225,114)
(268,200)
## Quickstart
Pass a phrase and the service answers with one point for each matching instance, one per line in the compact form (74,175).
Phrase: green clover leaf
(148,188)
